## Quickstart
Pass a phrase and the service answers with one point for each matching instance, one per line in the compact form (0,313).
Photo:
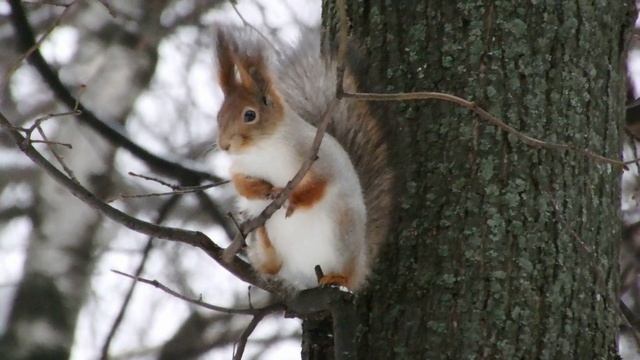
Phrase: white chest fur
(319,235)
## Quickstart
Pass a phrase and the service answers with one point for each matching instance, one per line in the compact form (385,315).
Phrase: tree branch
(244,337)
(488,117)
(239,268)
(36,44)
(162,215)
(177,189)
(26,40)
(199,302)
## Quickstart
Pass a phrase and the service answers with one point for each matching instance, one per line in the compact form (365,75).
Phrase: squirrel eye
(250,116)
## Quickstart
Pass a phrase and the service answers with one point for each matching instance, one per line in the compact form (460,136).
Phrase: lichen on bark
(500,250)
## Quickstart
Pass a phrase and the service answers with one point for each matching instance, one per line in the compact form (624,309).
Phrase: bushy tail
(307,81)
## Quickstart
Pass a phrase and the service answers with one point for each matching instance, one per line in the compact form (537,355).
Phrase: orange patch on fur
(251,188)
(308,192)
(334,279)
(272,263)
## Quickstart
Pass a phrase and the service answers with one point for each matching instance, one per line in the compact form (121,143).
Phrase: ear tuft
(226,66)
(243,61)
(256,74)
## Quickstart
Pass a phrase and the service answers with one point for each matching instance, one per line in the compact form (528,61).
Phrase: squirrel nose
(224,145)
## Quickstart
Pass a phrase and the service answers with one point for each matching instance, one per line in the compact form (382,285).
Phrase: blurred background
(148,67)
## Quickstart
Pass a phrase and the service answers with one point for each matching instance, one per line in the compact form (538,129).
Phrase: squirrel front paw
(254,188)
(274,192)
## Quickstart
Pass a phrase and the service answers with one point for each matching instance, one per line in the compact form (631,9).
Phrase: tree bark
(501,250)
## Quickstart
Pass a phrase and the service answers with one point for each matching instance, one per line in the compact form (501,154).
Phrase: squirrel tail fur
(306,80)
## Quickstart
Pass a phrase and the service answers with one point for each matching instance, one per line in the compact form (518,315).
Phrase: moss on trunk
(501,250)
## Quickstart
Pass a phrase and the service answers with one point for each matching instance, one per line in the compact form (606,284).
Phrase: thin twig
(238,267)
(38,121)
(180,190)
(26,40)
(48,142)
(249,25)
(159,181)
(14,212)
(34,47)
(108,7)
(163,212)
(199,302)
(56,155)
(48,2)
(485,115)
(242,341)
(235,223)
(631,319)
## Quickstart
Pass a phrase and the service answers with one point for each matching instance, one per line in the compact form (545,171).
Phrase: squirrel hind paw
(336,280)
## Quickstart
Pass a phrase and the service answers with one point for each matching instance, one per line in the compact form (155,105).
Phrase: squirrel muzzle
(224,144)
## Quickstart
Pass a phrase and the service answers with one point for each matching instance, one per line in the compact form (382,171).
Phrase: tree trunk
(501,250)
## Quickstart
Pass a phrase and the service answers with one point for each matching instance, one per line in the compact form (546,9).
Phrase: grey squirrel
(339,215)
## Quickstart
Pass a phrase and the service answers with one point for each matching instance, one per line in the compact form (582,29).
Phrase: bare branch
(36,45)
(163,212)
(249,25)
(628,316)
(13,212)
(159,181)
(37,122)
(239,268)
(108,7)
(242,341)
(199,302)
(67,145)
(55,154)
(49,2)
(176,192)
(26,40)
(491,119)
(177,189)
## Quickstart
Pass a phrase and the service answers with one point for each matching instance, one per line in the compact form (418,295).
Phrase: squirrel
(339,214)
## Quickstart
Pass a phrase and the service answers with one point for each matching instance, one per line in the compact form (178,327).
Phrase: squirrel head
(252,108)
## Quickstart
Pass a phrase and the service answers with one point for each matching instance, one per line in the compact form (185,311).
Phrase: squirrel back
(307,80)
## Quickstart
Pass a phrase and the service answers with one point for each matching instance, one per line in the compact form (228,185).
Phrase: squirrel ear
(254,74)
(226,66)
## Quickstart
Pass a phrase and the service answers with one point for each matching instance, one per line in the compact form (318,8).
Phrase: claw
(290,210)
(274,193)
